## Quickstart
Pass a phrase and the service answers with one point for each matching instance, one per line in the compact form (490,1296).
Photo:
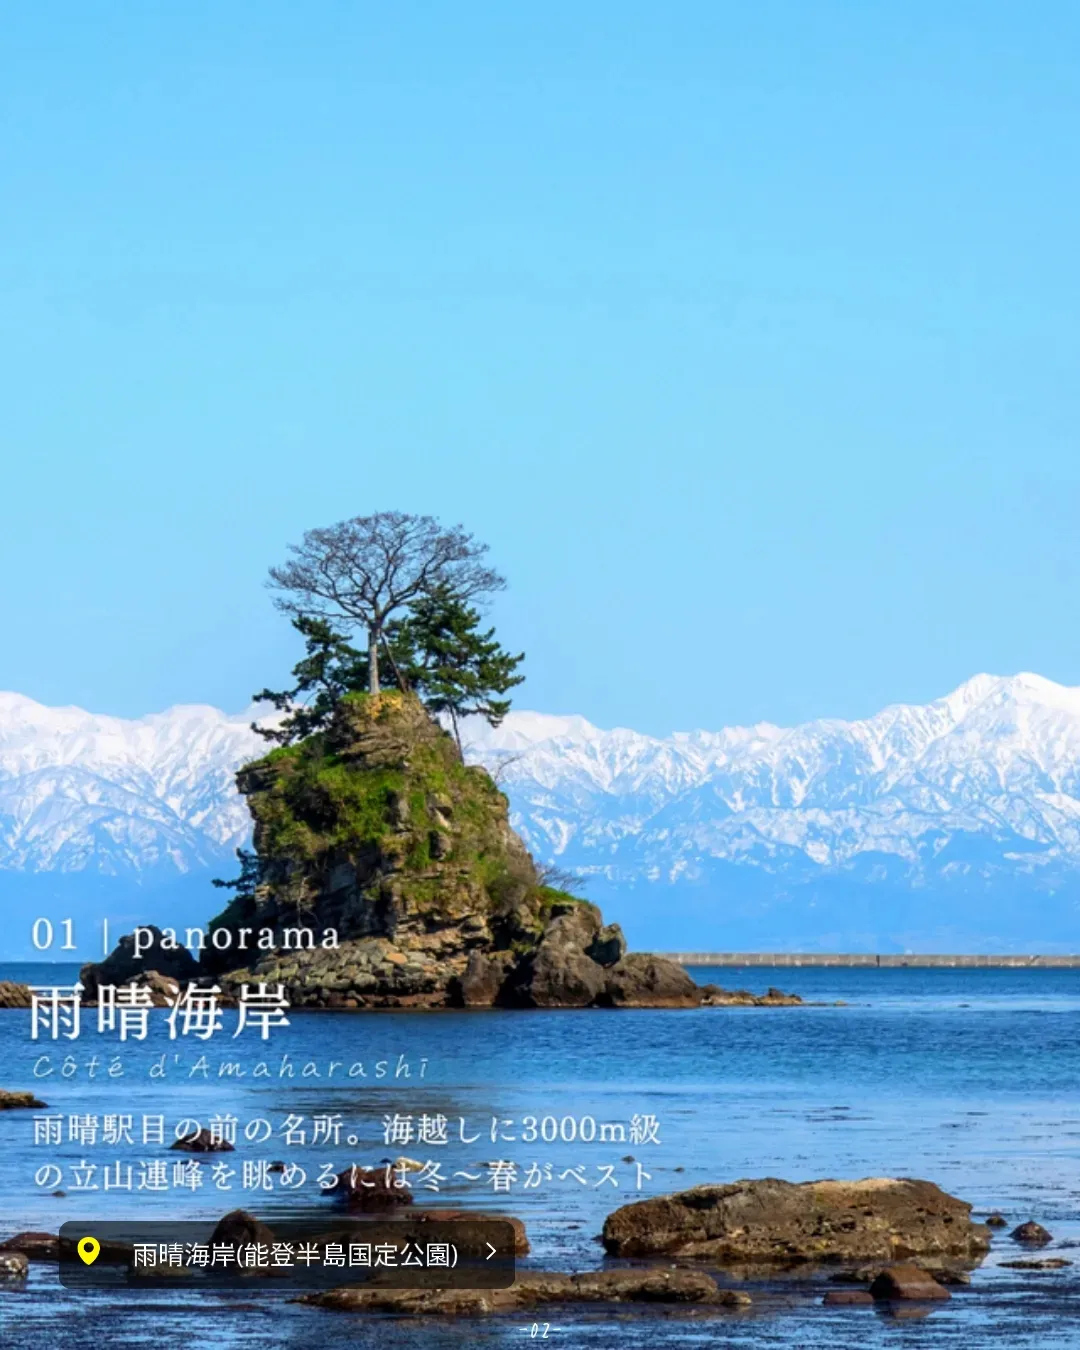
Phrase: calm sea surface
(965,1077)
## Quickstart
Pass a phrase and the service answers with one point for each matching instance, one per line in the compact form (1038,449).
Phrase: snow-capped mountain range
(953,825)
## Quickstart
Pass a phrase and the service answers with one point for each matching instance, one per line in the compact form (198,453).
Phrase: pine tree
(329,669)
(456,668)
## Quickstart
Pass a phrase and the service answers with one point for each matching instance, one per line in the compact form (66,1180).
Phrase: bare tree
(361,571)
(560,879)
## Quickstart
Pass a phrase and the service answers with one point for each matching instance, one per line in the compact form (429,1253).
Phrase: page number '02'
(539,1331)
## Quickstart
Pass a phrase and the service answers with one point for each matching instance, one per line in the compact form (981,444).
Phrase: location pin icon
(88,1249)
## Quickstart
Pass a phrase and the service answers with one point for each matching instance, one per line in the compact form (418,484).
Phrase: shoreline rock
(715,996)
(14,995)
(780,1223)
(19,1101)
(161,969)
(533,1289)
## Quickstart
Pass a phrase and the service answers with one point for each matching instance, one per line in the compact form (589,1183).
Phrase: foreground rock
(471,1235)
(907,1281)
(34,1246)
(14,995)
(14,1267)
(535,1289)
(780,1223)
(16,1101)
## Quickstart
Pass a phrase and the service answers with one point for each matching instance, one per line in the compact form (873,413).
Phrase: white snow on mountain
(986,778)
(81,792)
(906,792)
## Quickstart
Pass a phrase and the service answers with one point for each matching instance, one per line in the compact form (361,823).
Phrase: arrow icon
(492,1251)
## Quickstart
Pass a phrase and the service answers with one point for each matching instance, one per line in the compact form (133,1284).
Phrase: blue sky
(746,334)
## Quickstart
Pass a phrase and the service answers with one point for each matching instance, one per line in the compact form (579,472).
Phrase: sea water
(967,1078)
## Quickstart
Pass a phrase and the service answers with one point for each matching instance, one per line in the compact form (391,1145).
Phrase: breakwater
(870,959)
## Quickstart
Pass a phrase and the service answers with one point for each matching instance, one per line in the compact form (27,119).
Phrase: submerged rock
(472,1238)
(1038,1263)
(534,1289)
(848,1298)
(781,1223)
(370,1190)
(203,1142)
(907,1281)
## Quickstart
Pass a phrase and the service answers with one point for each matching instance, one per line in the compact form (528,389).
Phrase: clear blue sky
(746,334)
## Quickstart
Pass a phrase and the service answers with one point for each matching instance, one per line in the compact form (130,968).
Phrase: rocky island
(375,829)
(385,872)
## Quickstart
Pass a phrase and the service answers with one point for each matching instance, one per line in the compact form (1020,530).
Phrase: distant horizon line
(853,960)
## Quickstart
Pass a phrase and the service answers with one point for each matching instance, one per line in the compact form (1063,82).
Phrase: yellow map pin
(88,1249)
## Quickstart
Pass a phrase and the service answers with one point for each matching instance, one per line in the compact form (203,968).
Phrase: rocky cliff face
(378,831)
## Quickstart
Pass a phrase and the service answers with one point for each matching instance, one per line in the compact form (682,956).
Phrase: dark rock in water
(995,1220)
(203,1142)
(716,996)
(643,981)
(14,995)
(19,1101)
(370,1191)
(907,1281)
(848,1298)
(469,1224)
(1038,1263)
(34,1246)
(533,1289)
(948,1276)
(14,1267)
(781,1223)
(238,1226)
(123,966)
(1031,1234)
